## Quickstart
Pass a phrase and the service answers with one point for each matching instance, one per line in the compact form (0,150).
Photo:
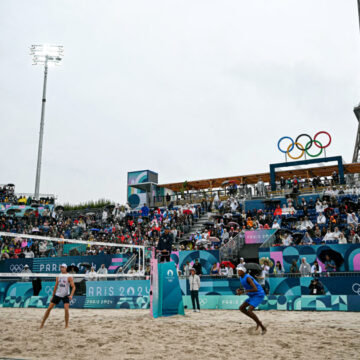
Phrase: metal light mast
(44,55)
(356,154)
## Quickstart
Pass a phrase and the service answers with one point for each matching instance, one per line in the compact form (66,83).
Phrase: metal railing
(52,196)
(322,274)
(197,196)
(231,250)
(270,241)
(247,192)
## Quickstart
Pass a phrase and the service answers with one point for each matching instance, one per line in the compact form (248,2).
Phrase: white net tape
(74,241)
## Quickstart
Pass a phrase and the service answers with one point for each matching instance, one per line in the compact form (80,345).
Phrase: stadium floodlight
(46,55)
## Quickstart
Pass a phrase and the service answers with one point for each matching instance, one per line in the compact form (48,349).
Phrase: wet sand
(211,334)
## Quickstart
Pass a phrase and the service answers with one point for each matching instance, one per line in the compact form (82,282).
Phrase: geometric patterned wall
(280,302)
(333,285)
(350,254)
(230,302)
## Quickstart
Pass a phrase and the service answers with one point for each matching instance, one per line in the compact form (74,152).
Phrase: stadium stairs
(198,225)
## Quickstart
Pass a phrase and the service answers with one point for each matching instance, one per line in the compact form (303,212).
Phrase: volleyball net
(127,263)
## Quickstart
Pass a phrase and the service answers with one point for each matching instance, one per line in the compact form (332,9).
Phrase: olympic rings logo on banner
(356,288)
(49,290)
(16,268)
(72,301)
(304,149)
(203,301)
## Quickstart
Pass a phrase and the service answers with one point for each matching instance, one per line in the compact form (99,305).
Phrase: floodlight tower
(356,154)
(44,55)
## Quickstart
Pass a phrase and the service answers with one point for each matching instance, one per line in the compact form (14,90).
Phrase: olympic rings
(297,140)
(323,132)
(295,157)
(286,137)
(300,146)
(16,268)
(315,142)
(356,288)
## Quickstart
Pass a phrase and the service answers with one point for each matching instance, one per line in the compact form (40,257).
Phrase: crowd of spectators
(331,216)
(7,193)
(294,184)
(118,224)
(9,197)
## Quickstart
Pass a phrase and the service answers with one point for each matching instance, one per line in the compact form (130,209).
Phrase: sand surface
(133,334)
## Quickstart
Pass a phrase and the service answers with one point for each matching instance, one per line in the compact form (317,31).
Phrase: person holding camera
(316,287)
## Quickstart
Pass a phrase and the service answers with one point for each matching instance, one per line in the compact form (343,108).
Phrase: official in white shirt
(194,281)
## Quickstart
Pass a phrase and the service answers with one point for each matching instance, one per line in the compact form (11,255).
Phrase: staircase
(197,226)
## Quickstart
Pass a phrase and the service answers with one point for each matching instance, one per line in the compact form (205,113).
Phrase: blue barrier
(333,285)
(118,288)
(231,302)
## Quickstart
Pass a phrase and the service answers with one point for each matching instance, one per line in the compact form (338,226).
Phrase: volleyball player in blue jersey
(256,295)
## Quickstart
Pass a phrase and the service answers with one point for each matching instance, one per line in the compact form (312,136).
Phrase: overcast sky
(189,89)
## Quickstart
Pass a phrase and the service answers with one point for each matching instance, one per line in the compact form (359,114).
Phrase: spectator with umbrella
(331,259)
(330,265)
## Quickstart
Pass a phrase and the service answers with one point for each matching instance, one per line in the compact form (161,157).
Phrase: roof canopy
(254,178)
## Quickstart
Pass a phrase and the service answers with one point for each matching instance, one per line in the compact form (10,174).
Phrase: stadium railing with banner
(35,290)
(133,292)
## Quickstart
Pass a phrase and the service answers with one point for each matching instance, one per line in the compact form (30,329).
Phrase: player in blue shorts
(256,296)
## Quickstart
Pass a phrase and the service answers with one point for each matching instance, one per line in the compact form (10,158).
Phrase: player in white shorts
(61,293)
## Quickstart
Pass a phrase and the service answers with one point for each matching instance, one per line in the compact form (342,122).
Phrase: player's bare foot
(263,330)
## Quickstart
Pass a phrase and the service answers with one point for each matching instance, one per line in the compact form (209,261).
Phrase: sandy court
(212,334)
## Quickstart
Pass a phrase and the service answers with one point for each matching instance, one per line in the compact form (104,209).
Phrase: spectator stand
(23,204)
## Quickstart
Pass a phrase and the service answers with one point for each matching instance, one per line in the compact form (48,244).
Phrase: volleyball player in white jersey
(61,293)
